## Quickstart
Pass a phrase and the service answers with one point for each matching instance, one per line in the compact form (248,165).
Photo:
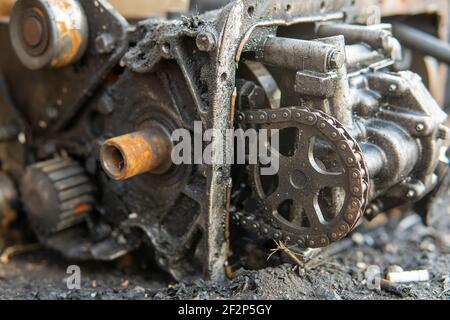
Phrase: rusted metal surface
(381,124)
(136,153)
(51,33)
(300,180)
(52,106)
(249,18)
(5,7)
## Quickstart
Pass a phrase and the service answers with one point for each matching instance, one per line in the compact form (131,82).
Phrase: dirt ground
(340,275)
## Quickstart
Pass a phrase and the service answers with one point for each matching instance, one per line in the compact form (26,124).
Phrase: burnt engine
(90,101)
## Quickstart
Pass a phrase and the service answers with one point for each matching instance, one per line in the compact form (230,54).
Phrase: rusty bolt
(337,60)
(206,41)
(136,153)
(105,43)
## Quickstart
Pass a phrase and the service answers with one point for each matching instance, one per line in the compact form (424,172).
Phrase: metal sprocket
(303,177)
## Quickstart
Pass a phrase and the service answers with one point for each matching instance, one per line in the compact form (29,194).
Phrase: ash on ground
(338,273)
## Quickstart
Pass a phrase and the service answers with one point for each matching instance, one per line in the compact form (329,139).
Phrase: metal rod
(422,42)
(354,34)
(301,55)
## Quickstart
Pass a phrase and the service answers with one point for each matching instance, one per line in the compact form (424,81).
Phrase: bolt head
(337,60)
(393,87)
(411,194)
(104,43)
(106,106)
(420,127)
(254,98)
(206,41)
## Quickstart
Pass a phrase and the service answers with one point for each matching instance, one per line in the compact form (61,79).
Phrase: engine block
(90,104)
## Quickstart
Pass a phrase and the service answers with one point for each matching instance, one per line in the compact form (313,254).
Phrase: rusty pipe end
(133,154)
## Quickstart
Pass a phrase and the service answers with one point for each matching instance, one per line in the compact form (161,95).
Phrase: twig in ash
(16,250)
(281,246)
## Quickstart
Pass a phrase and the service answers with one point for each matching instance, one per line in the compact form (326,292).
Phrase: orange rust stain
(142,151)
(62,4)
(69,36)
(82,209)
(72,37)
(5,7)
(126,261)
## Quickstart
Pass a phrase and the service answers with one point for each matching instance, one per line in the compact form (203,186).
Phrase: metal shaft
(354,34)
(422,42)
(136,153)
(301,55)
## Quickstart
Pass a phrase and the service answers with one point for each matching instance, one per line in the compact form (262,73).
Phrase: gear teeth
(67,191)
(353,160)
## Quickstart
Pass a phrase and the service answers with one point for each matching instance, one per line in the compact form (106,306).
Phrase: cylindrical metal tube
(375,158)
(301,54)
(422,42)
(354,34)
(136,153)
(360,54)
